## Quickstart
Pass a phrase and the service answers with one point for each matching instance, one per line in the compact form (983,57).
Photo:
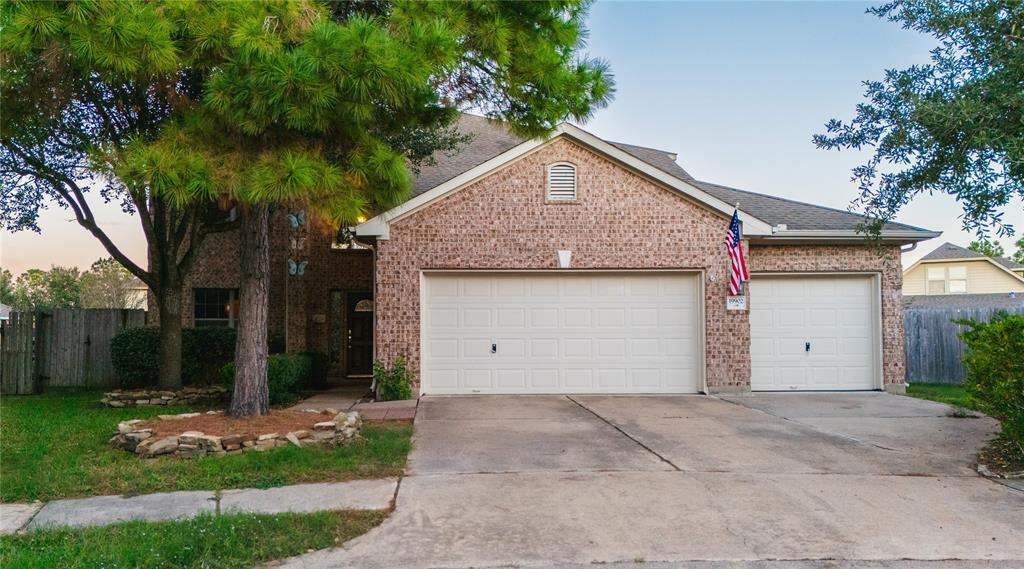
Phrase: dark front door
(359,335)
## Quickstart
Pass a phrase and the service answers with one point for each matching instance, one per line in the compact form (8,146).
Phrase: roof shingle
(490,138)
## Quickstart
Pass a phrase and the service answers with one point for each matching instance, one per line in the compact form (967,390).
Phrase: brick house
(572,264)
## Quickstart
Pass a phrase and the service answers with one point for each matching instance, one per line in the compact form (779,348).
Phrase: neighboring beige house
(952,269)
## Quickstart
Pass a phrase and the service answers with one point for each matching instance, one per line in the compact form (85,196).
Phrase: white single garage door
(561,333)
(813,333)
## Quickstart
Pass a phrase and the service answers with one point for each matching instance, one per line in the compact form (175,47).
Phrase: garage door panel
(511,378)
(511,317)
(511,287)
(578,348)
(444,318)
(833,313)
(442,378)
(645,347)
(610,333)
(611,318)
(474,317)
(823,317)
(577,288)
(577,318)
(444,347)
(544,379)
(476,288)
(544,318)
(579,378)
(544,348)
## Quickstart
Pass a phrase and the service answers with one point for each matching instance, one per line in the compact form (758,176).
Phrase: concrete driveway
(549,480)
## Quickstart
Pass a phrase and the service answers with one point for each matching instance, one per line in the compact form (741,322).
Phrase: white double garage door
(596,332)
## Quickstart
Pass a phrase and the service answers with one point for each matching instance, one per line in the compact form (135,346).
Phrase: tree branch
(73,196)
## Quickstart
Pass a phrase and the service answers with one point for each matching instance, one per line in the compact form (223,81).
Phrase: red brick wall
(621,221)
(304,311)
(850,258)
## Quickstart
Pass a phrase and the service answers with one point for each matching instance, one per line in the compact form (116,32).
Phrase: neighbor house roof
(950,251)
(490,140)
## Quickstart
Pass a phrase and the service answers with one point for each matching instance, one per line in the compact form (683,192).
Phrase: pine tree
(265,104)
(300,101)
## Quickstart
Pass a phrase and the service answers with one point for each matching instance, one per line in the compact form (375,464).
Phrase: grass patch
(237,540)
(1001,455)
(954,395)
(55,446)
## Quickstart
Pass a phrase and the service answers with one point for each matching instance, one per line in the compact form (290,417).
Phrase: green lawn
(205,542)
(943,393)
(55,446)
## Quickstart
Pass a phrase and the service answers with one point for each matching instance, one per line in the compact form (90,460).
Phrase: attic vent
(562,182)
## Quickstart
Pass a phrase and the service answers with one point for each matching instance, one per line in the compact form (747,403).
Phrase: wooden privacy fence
(932,341)
(61,348)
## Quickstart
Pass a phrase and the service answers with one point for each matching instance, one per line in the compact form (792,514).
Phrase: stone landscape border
(210,395)
(189,444)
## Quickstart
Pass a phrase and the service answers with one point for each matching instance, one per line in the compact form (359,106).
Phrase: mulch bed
(1002,457)
(222,425)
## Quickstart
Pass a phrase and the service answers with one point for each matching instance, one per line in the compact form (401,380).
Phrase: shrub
(392,384)
(276,344)
(204,351)
(287,374)
(135,354)
(995,369)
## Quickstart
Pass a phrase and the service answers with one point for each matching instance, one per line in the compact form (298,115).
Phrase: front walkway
(338,398)
(539,481)
(376,494)
(348,398)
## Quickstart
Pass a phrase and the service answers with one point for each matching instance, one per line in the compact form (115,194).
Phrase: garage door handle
(494,348)
(807,346)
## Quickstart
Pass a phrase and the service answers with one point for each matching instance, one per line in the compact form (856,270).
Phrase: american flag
(737,266)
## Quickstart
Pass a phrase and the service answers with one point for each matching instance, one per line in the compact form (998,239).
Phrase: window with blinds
(562,182)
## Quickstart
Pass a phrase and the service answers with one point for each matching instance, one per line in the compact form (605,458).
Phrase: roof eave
(897,236)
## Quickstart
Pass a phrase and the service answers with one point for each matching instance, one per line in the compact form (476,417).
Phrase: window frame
(230,320)
(947,280)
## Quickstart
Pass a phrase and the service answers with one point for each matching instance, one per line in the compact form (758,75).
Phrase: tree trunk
(169,302)
(251,396)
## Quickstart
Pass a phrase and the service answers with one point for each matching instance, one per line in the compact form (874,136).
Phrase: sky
(735,89)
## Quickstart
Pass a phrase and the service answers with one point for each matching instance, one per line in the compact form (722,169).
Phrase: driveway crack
(625,434)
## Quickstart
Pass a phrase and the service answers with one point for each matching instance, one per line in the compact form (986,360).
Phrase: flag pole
(743,283)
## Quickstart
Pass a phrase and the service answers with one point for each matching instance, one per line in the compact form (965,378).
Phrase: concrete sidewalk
(376,494)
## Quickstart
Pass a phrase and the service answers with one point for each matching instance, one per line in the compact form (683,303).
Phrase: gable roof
(951,251)
(489,139)
(1009,263)
(491,145)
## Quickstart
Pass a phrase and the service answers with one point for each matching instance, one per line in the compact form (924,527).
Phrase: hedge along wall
(135,353)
